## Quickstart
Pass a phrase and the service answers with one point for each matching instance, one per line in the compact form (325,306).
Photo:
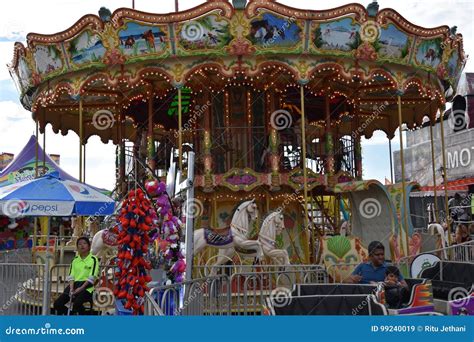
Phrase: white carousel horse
(345,229)
(104,243)
(437,229)
(235,236)
(272,225)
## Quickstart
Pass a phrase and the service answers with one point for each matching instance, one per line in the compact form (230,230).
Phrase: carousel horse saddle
(218,237)
(241,250)
(110,238)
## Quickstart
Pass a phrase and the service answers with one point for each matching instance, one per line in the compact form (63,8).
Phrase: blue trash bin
(120,310)
(170,302)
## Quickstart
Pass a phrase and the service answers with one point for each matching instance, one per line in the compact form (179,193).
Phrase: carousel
(262,108)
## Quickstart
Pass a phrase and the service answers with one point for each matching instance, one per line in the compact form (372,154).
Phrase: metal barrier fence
(203,271)
(341,270)
(21,287)
(20,255)
(234,293)
(463,252)
(202,296)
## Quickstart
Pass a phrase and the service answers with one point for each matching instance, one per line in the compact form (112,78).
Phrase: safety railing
(20,255)
(339,272)
(463,252)
(22,287)
(151,306)
(231,292)
(229,270)
(204,296)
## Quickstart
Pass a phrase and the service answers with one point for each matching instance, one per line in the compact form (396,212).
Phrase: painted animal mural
(150,39)
(129,43)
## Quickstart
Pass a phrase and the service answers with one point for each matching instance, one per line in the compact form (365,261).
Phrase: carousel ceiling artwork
(365,58)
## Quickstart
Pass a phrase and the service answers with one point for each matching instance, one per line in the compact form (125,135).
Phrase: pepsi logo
(79,189)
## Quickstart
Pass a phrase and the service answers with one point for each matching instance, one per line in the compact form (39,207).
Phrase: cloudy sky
(19,17)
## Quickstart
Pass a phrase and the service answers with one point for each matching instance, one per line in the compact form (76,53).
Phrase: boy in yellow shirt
(83,272)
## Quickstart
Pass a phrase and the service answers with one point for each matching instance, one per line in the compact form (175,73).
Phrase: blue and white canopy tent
(51,196)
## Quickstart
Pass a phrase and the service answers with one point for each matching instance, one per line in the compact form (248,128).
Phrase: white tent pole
(46,292)
(190,218)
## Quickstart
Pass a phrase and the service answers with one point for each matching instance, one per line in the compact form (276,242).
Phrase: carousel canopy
(22,168)
(117,63)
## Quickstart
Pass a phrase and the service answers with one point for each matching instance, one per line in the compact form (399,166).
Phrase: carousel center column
(207,143)
(329,146)
(150,140)
(273,143)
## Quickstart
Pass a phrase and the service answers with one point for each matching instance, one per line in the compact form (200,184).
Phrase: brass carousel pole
(405,218)
(35,228)
(80,140)
(44,142)
(84,164)
(150,141)
(79,219)
(433,166)
(121,157)
(445,176)
(180,131)
(303,142)
(391,161)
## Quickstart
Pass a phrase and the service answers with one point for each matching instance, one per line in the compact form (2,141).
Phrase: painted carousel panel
(393,44)
(209,33)
(269,31)
(47,59)
(429,53)
(341,35)
(139,40)
(24,73)
(454,66)
(86,48)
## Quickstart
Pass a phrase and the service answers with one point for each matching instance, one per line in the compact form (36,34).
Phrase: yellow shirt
(86,269)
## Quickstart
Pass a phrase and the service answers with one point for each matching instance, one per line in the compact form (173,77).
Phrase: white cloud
(16,127)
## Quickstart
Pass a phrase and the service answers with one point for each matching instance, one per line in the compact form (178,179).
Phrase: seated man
(375,269)
(82,275)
